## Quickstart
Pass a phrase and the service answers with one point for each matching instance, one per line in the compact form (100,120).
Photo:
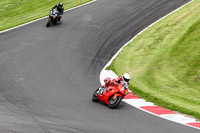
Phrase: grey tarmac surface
(48,75)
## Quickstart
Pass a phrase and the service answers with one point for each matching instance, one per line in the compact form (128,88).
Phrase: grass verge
(17,12)
(164,61)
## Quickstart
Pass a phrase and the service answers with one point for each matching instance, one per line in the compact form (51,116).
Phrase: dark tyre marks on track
(48,75)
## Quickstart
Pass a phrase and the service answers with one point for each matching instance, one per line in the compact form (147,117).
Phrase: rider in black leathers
(60,9)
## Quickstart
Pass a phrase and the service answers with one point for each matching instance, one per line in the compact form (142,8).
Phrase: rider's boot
(59,19)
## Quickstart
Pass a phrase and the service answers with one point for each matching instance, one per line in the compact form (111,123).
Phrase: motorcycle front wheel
(48,22)
(113,103)
(95,97)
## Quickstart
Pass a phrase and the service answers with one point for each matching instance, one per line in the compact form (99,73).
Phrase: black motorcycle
(54,17)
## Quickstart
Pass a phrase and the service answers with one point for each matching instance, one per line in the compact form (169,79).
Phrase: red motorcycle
(111,95)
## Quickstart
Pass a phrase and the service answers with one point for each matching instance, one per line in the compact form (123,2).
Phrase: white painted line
(137,102)
(45,17)
(178,118)
(134,100)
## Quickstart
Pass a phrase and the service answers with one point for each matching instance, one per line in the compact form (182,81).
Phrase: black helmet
(60,4)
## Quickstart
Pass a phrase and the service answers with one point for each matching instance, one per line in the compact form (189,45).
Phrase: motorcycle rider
(115,82)
(60,9)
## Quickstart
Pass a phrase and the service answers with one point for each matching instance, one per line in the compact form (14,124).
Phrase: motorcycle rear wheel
(95,97)
(113,103)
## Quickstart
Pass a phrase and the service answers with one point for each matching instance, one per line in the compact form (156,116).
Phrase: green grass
(164,61)
(16,12)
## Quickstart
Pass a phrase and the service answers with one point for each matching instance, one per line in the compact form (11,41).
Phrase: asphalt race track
(48,75)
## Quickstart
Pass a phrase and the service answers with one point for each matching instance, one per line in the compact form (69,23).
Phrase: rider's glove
(107,82)
(125,88)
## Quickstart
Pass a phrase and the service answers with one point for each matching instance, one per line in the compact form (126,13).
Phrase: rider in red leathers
(115,82)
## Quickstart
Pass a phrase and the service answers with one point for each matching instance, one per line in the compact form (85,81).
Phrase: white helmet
(126,77)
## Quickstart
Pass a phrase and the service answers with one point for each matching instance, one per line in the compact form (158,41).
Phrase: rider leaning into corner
(60,9)
(115,82)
